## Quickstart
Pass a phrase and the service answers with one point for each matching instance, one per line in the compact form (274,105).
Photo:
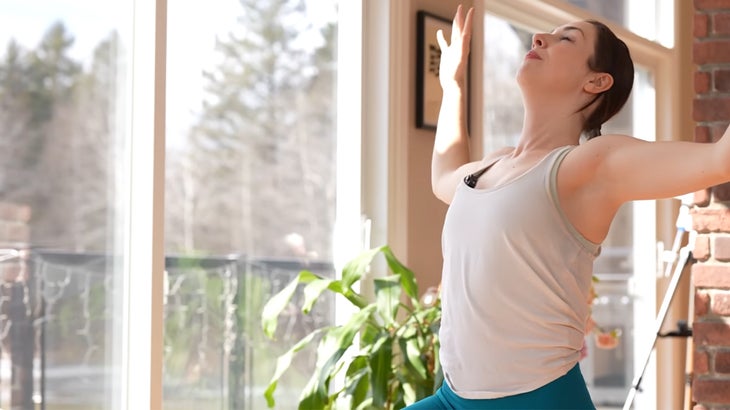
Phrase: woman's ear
(598,83)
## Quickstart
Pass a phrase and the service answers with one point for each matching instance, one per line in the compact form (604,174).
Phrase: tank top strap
(471,179)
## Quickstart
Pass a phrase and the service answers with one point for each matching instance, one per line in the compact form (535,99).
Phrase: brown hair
(610,55)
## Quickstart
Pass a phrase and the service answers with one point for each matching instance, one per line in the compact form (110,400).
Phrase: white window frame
(138,383)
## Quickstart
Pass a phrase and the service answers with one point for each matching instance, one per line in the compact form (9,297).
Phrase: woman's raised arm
(451,148)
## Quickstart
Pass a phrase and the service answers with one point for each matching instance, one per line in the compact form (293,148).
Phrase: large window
(63,107)
(650,19)
(250,192)
(250,189)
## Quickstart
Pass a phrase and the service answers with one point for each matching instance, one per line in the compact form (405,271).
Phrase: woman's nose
(538,40)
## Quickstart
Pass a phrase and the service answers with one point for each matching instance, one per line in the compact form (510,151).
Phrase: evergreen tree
(14,122)
(261,160)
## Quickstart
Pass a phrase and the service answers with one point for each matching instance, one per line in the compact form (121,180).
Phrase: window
(250,192)
(251,184)
(651,19)
(64,99)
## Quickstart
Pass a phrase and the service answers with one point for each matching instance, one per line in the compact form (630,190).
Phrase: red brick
(706,275)
(722,248)
(711,109)
(721,24)
(700,363)
(711,333)
(717,130)
(700,26)
(711,219)
(712,4)
(711,391)
(722,362)
(701,197)
(711,51)
(702,303)
(701,250)
(721,192)
(702,134)
(710,132)
(721,303)
(722,79)
(703,82)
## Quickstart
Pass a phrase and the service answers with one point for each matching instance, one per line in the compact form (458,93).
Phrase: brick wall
(711,214)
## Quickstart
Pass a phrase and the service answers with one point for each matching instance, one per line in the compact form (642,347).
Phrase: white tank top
(515,285)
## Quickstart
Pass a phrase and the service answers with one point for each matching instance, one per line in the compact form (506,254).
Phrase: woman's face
(558,61)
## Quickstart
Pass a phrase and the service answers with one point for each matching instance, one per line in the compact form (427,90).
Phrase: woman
(525,223)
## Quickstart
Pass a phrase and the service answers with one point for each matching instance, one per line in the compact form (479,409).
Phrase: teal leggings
(564,393)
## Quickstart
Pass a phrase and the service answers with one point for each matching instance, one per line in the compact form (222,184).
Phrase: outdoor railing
(59,331)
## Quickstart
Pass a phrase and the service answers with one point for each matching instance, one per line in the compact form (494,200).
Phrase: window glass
(250,192)
(651,19)
(61,114)
(608,373)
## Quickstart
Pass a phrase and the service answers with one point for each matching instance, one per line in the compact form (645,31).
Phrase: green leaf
(412,356)
(381,360)
(367,405)
(368,335)
(356,381)
(409,393)
(283,363)
(331,348)
(270,314)
(387,298)
(356,268)
(407,277)
(314,396)
(315,288)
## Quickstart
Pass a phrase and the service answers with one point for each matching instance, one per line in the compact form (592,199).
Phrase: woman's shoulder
(597,148)
(607,141)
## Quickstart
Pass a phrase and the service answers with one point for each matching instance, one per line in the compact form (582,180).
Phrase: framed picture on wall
(428,88)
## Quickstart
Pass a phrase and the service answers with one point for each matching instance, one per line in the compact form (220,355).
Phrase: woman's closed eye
(566,38)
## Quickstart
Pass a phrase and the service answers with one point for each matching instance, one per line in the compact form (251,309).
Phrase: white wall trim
(401,81)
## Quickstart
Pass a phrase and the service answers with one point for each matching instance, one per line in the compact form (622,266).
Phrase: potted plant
(385,356)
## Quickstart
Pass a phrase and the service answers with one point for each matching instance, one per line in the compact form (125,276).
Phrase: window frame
(138,348)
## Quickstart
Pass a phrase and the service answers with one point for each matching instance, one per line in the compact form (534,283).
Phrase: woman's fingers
(461,28)
(466,30)
(441,40)
(454,54)
(456,26)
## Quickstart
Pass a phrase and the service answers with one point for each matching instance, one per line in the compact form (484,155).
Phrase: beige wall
(422,214)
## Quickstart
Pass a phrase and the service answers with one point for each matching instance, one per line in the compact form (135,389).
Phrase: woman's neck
(548,126)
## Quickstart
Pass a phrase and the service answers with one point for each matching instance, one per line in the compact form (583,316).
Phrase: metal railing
(58,330)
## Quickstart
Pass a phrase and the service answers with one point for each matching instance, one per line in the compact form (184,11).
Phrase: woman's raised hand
(455,56)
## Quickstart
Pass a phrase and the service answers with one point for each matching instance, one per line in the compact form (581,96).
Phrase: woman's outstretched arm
(629,169)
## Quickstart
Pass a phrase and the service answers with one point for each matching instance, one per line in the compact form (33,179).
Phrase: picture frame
(428,87)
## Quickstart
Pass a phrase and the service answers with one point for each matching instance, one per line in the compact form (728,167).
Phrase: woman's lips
(532,55)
